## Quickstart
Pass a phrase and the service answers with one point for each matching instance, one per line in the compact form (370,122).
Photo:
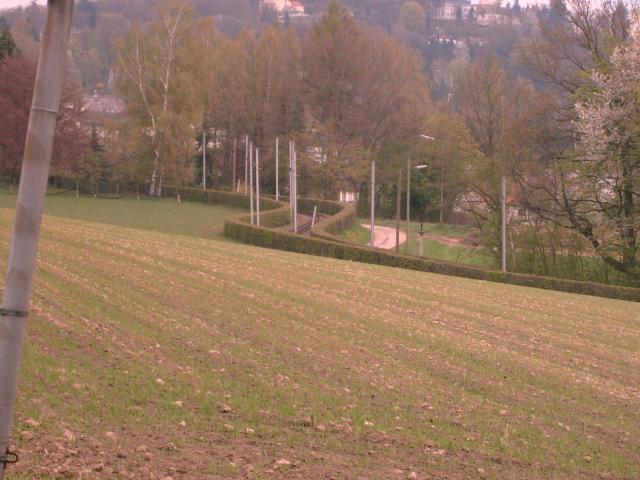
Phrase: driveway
(386,237)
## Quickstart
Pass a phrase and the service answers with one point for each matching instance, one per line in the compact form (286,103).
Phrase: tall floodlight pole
(295,186)
(33,185)
(373,203)
(246,162)
(204,159)
(398,206)
(277,172)
(291,178)
(503,200)
(406,245)
(235,157)
(251,181)
(257,187)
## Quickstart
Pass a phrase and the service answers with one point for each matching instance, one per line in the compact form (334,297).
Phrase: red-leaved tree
(17,77)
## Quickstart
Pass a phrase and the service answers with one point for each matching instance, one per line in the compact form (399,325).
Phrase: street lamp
(417,167)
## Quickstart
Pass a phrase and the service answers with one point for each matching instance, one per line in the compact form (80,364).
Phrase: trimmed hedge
(261,236)
(327,228)
(323,242)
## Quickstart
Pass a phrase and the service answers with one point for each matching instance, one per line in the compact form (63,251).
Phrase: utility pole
(406,245)
(251,181)
(442,174)
(33,185)
(373,203)
(246,162)
(204,158)
(235,153)
(291,179)
(398,204)
(504,223)
(257,187)
(277,172)
(295,187)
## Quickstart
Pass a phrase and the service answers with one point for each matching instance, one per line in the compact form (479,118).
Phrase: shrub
(321,246)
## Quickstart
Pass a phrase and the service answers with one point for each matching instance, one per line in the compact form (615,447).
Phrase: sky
(16,3)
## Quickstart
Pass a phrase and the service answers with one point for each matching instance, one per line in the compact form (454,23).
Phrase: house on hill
(292,7)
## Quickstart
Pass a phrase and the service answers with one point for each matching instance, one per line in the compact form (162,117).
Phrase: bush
(261,236)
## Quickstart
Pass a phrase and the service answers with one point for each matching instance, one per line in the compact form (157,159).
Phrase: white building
(284,6)
(450,10)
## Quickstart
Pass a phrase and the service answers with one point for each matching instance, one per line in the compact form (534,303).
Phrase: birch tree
(157,79)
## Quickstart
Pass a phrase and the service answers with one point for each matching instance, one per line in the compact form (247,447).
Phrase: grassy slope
(432,248)
(346,370)
(161,215)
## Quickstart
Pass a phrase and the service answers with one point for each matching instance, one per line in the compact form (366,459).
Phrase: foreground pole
(373,203)
(33,185)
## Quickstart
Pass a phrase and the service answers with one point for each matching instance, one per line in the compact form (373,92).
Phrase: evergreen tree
(516,6)
(7,45)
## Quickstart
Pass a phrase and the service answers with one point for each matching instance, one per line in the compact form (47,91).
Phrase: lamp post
(421,247)
(503,208)
(417,167)
(373,203)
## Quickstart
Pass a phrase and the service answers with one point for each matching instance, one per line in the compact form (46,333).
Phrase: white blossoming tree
(601,195)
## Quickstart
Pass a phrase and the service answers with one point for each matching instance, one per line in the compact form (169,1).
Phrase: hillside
(154,355)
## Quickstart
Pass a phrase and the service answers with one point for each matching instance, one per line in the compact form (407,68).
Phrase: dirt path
(386,237)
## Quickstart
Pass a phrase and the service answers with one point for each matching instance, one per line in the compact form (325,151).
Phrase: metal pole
(313,219)
(504,223)
(398,204)
(421,250)
(246,161)
(295,188)
(442,172)
(406,245)
(204,160)
(257,187)
(33,185)
(373,203)
(291,179)
(251,181)
(235,158)
(277,172)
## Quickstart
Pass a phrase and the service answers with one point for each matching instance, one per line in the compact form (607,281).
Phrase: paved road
(386,237)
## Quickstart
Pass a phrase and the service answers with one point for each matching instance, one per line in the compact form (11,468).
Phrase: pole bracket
(44,110)
(5,312)
(9,458)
